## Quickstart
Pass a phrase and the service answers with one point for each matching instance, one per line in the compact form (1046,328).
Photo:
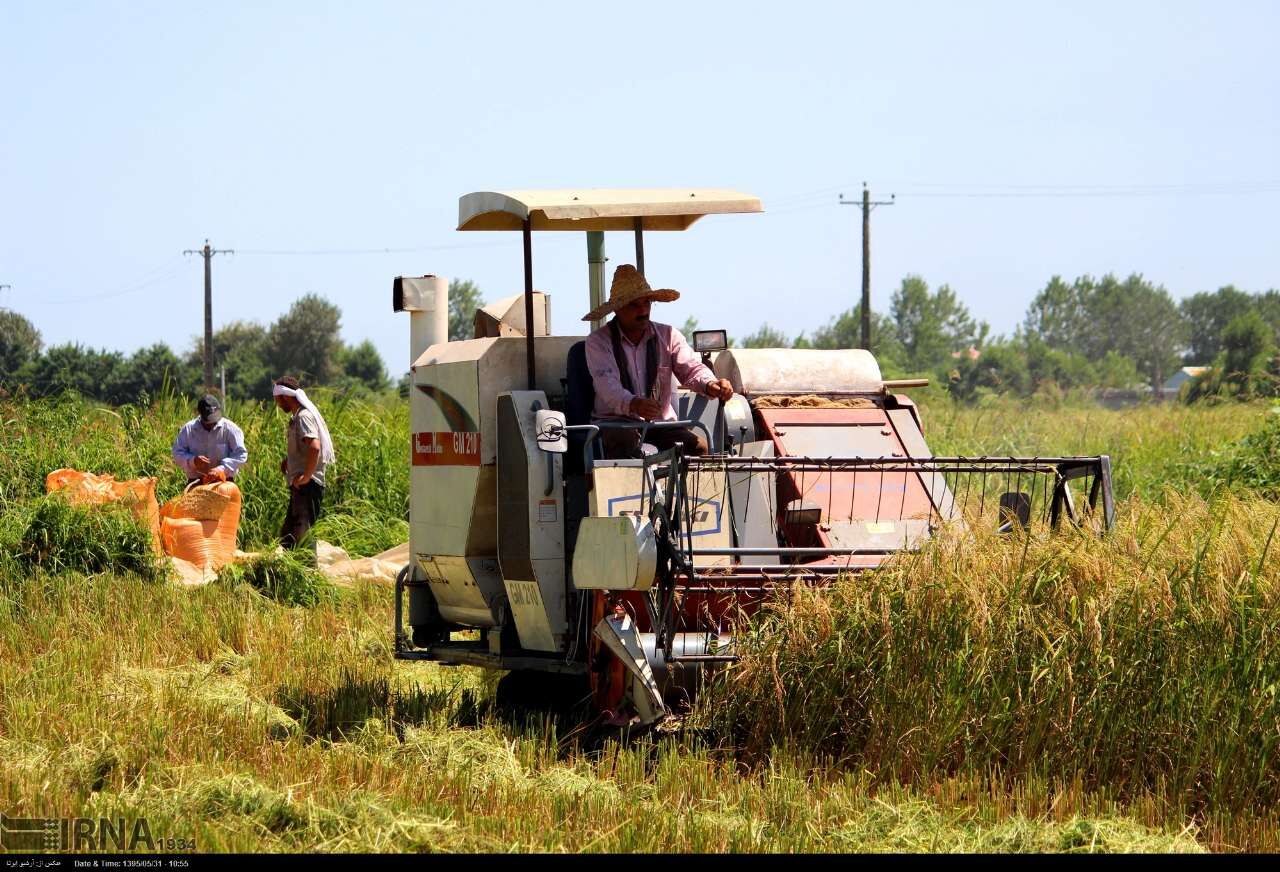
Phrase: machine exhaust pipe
(426,299)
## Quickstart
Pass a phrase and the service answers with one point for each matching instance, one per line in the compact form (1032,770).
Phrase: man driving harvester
(632,360)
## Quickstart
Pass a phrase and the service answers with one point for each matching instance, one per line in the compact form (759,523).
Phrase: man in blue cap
(210,448)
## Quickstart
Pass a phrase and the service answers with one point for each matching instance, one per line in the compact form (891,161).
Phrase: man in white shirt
(308,452)
(210,448)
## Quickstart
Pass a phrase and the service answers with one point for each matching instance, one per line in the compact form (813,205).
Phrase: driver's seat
(579,400)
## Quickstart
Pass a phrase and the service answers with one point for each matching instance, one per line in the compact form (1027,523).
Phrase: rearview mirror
(549,429)
(707,341)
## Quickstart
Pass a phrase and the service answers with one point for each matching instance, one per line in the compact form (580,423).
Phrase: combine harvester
(632,574)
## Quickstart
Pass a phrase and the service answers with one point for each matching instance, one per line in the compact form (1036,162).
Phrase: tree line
(305,342)
(1087,333)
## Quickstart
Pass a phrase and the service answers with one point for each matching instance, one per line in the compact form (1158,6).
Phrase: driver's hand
(720,389)
(642,407)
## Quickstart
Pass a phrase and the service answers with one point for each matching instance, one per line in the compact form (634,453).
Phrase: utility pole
(867,205)
(207,253)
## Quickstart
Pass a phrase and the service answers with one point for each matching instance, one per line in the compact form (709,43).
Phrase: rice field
(1005,694)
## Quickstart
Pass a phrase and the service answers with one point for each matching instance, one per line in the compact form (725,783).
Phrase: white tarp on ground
(341,568)
(338,566)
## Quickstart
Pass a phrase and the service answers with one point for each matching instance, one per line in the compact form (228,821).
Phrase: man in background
(308,453)
(209,447)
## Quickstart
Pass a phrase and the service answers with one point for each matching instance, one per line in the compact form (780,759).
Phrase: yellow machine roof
(599,208)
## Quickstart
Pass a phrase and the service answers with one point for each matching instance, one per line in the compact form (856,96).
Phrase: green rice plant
(360,531)
(1143,661)
(285,576)
(55,536)
(1152,447)
(366,490)
(1252,464)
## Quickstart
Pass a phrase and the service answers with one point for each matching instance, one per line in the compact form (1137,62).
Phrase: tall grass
(987,693)
(366,492)
(1144,664)
(1153,447)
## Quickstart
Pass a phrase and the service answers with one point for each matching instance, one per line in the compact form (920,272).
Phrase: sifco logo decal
(704,516)
(446,449)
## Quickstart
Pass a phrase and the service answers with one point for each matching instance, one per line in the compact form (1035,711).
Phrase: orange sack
(200,525)
(85,488)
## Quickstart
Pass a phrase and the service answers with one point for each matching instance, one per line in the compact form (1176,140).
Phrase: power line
(307,252)
(817,199)
(1110,186)
(145,280)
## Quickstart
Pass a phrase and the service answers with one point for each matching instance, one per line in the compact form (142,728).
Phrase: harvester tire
(531,690)
(427,635)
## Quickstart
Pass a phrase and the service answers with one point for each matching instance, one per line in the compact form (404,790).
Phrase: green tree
(363,365)
(1248,350)
(242,349)
(845,331)
(1000,369)
(930,327)
(1207,315)
(464,299)
(1046,364)
(1116,371)
(1268,306)
(766,337)
(147,372)
(19,344)
(1140,321)
(1132,318)
(1059,314)
(72,367)
(304,341)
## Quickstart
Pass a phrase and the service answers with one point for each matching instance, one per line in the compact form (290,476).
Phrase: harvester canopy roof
(599,208)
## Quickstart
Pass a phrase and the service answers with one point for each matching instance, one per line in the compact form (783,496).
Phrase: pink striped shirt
(675,359)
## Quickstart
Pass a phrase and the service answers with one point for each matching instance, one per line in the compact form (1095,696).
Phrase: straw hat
(629,286)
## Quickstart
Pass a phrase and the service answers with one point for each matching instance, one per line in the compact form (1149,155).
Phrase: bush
(58,537)
(1252,464)
(286,577)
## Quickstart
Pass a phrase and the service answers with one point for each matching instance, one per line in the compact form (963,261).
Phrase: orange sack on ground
(200,525)
(85,488)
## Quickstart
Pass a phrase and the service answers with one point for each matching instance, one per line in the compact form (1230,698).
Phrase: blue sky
(1021,139)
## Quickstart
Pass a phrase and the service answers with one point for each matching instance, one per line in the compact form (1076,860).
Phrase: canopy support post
(639,225)
(528,300)
(595,271)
